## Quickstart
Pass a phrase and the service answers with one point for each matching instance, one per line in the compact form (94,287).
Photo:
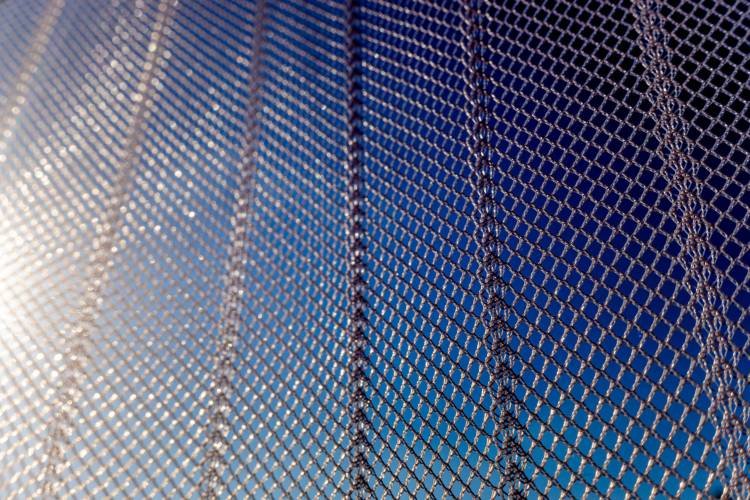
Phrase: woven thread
(722,381)
(374,248)
(359,449)
(219,424)
(62,427)
(507,430)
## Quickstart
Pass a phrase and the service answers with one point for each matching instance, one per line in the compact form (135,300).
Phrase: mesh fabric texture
(377,249)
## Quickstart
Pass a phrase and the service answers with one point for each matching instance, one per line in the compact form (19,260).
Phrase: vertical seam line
(723,383)
(359,425)
(217,445)
(30,65)
(76,343)
(511,459)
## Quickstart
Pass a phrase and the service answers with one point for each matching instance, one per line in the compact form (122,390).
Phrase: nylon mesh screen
(456,249)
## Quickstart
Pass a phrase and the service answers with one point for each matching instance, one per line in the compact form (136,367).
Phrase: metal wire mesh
(378,249)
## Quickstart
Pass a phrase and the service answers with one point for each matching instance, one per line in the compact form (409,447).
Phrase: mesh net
(464,249)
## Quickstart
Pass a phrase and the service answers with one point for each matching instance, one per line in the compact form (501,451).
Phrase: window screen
(374,249)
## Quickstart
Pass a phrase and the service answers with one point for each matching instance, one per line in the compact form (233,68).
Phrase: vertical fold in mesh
(76,353)
(359,425)
(711,61)
(432,435)
(593,293)
(12,105)
(291,427)
(217,444)
(174,249)
(718,357)
(507,430)
(403,249)
(24,367)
